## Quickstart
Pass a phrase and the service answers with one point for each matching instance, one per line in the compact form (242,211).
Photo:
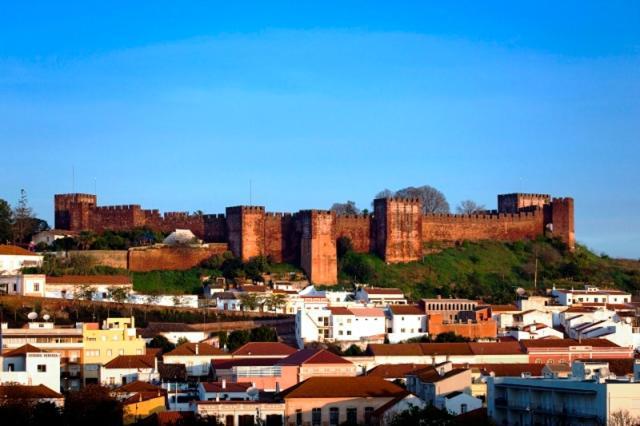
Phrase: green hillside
(492,270)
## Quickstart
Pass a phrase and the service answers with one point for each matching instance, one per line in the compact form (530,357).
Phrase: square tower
(245,230)
(398,229)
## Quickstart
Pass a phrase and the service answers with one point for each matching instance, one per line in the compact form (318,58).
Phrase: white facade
(121,376)
(534,332)
(190,336)
(585,398)
(460,403)
(590,295)
(406,326)
(196,365)
(32,368)
(346,325)
(380,297)
(11,264)
(23,284)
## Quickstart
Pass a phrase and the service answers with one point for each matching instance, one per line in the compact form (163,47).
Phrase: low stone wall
(165,258)
(113,258)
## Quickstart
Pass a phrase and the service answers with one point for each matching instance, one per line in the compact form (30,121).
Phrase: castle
(397,230)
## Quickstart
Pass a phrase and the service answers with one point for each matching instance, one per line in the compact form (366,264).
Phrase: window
(334,416)
(298,417)
(352,416)
(109,352)
(93,352)
(112,381)
(348,332)
(36,286)
(368,415)
(316,416)
(463,408)
(42,368)
(138,351)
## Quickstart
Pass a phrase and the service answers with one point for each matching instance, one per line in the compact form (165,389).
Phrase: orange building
(478,328)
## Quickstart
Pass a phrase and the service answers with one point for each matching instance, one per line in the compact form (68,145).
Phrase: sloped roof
(393,371)
(501,348)
(461,348)
(565,343)
(618,366)
(503,308)
(226,364)
(431,374)
(367,312)
(229,387)
(189,349)
(505,370)
(172,372)
(145,396)
(90,279)
(10,250)
(313,356)
(406,310)
(264,349)
(131,361)
(382,291)
(24,391)
(226,295)
(339,310)
(137,386)
(336,387)
(23,350)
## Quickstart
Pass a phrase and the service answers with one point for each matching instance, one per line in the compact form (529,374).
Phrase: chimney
(197,349)
(224,383)
(277,387)
(155,364)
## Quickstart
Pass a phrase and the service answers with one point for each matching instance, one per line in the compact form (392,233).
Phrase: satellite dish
(253,391)
(46,317)
(521,291)
(32,315)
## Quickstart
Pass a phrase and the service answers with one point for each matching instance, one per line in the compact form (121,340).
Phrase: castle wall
(116,218)
(358,229)
(280,237)
(514,203)
(318,255)
(500,227)
(158,258)
(399,232)
(183,220)
(72,211)
(215,228)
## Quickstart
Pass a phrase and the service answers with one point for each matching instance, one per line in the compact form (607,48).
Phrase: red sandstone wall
(215,228)
(72,211)
(171,258)
(245,226)
(398,229)
(563,221)
(471,330)
(318,255)
(184,220)
(501,227)
(116,218)
(281,240)
(358,229)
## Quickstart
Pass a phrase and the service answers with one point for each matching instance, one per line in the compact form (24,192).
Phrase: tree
(385,193)
(22,219)
(118,294)
(182,341)
(433,201)
(159,341)
(345,208)
(84,292)
(353,350)
(237,338)
(450,336)
(263,334)
(358,267)
(623,418)
(249,301)
(6,221)
(344,245)
(92,406)
(275,301)
(469,207)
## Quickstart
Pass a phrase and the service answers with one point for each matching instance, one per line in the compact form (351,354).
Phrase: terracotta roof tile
(23,350)
(313,356)
(172,372)
(502,348)
(24,391)
(383,291)
(394,371)
(339,310)
(137,386)
(90,279)
(226,364)
(367,312)
(131,361)
(189,349)
(338,387)
(145,396)
(406,310)
(505,370)
(229,387)
(431,374)
(264,349)
(9,250)
(565,343)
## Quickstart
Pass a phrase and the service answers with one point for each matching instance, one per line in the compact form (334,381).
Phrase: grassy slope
(493,270)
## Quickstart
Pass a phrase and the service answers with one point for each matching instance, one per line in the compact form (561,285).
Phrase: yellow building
(142,405)
(116,337)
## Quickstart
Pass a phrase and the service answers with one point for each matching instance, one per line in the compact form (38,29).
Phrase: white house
(405,322)
(227,301)
(129,368)
(380,296)
(534,331)
(14,258)
(223,391)
(28,365)
(195,356)
(49,236)
(590,294)
(590,396)
(458,402)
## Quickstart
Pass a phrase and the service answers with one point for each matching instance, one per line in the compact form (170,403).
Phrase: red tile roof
(313,356)
(395,291)
(367,312)
(505,370)
(229,387)
(226,364)
(132,361)
(15,251)
(24,391)
(23,350)
(406,310)
(137,386)
(145,396)
(565,343)
(431,374)
(502,348)
(90,279)
(394,371)
(339,310)
(343,387)
(445,349)
(189,349)
(264,349)
(503,308)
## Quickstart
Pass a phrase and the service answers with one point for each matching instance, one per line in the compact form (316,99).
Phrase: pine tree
(23,219)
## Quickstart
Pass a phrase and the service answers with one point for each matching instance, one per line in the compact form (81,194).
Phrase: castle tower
(398,229)
(516,202)
(562,220)
(245,231)
(318,253)
(72,211)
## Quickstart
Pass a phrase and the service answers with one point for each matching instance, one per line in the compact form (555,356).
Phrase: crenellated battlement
(397,230)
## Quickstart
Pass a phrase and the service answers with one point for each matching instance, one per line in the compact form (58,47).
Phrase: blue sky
(178,105)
